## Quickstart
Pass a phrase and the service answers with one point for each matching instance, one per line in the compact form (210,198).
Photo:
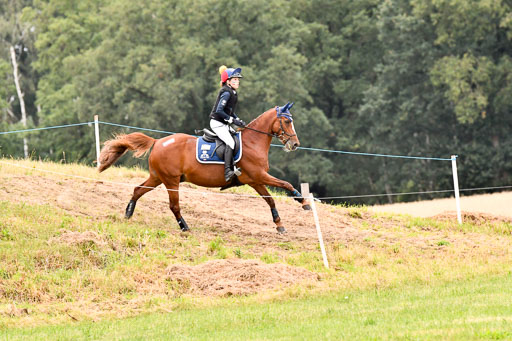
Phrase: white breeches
(222,131)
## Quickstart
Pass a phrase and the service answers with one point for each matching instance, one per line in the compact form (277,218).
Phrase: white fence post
(456,187)
(304,188)
(97,133)
(320,238)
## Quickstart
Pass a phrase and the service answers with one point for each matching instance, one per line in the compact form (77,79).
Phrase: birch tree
(13,38)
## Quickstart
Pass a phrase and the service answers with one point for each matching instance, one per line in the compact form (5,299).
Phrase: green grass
(478,308)
(216,247)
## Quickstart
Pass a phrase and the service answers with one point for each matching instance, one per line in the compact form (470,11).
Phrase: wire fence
(45,128)
(273,145)
(247,195)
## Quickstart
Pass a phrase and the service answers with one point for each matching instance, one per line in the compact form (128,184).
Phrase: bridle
(282,133)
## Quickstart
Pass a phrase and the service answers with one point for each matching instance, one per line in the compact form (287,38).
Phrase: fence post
(304,188)
(97,133)
(456,187)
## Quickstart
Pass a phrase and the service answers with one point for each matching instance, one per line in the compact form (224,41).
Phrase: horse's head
(283,128)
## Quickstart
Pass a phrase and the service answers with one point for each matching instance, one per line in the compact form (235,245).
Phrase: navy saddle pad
(210,149)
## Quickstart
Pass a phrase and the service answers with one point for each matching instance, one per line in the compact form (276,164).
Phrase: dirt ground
(499,204)
(236,276)
(239,214)
(209,215)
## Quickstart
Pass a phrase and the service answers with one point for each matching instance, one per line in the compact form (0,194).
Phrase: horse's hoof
(306,208)
(281,230)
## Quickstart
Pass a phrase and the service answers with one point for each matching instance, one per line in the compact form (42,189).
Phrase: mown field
(496,204)
(477,308)
(72,267)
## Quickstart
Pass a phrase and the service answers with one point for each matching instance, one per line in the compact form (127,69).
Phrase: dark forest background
(405,77)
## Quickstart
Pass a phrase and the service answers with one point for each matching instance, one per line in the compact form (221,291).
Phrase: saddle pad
(206,152)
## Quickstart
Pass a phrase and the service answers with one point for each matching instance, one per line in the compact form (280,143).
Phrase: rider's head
(230,76)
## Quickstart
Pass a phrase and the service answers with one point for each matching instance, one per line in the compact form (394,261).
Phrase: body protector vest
(225,105)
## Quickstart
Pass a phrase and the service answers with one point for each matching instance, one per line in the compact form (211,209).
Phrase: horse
(173,160)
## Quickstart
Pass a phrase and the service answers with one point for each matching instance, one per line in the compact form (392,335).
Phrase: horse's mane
(259,117)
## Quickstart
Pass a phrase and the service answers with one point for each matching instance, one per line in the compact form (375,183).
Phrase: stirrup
(237,171)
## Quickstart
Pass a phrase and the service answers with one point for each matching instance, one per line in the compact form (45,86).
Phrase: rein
(261,132)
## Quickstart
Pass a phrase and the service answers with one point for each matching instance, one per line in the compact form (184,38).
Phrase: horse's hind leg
(172,186)
(148,185)
(262,190)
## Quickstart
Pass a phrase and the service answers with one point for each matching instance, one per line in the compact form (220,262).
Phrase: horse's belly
(206,175)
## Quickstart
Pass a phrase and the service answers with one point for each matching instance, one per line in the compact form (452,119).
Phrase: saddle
(210,148)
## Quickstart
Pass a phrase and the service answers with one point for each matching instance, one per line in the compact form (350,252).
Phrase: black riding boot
(228,164)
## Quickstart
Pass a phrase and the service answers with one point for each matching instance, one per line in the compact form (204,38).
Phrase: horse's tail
(115,148)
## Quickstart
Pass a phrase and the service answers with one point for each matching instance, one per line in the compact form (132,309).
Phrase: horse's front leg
(262,190)
(269,180)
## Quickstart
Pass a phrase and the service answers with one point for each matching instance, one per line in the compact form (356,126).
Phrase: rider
(223,114)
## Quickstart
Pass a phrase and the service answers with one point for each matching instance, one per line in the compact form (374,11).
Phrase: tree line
(402,77)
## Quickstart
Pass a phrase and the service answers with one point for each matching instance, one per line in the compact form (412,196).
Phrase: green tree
(406,77)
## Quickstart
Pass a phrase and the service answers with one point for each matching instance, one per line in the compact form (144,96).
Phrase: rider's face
(234,83)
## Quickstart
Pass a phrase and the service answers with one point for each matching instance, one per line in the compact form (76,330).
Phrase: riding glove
(239,122)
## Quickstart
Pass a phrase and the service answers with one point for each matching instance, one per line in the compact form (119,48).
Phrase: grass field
(496,204)
(477,308)
(72,268)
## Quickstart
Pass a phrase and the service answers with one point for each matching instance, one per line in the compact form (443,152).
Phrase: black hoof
(306,207)
(129,209)
(281,230)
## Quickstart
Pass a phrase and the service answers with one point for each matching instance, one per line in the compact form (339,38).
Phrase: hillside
(497,204)
(69,255)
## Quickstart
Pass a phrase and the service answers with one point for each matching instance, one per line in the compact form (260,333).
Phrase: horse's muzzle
(291,146)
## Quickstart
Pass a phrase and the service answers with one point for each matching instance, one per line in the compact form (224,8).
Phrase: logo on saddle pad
(213,152)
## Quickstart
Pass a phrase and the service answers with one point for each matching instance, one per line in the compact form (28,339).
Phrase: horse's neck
(262,123)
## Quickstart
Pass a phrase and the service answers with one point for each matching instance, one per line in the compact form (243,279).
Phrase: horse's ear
(291,105)
(286,107)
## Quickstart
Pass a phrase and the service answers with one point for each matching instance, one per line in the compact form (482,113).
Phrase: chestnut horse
(173,160)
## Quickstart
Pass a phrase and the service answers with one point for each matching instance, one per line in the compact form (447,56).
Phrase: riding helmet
(226,73)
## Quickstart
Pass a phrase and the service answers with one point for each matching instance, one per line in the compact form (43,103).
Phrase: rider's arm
(223,100)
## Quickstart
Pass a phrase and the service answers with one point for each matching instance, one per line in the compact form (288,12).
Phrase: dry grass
(67,253)
(496,204)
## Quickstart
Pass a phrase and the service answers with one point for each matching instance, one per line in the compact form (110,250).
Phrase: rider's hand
(230,120)
(239,122)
